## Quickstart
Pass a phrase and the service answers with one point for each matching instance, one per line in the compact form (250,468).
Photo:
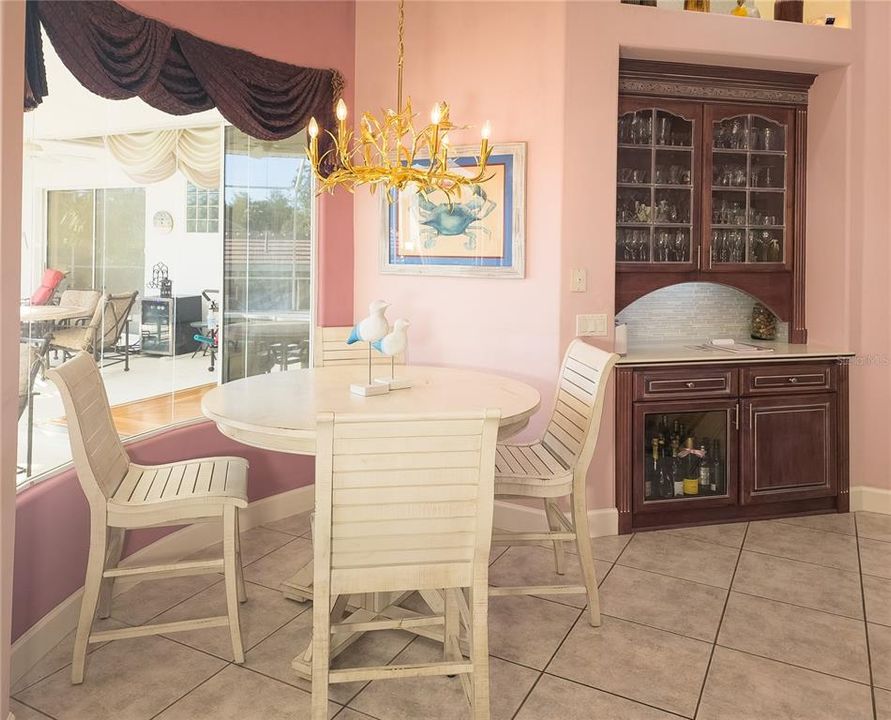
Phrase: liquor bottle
(717,474)
(705,469)
(691,468)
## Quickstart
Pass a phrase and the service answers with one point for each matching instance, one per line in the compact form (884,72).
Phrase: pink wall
(303,32)
(12,22)
(546,73)
(53,519)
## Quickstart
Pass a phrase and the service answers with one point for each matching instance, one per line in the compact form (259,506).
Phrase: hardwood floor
(141,416)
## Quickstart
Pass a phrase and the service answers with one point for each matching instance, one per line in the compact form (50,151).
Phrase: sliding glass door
(267,255)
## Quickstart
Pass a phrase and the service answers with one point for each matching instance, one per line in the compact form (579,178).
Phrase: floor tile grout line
(872,689)
(806,562)
(796,605)
(189,692)
(31,707)
(795,665)
(711,654)
(615,694)
(785,521)
(664,574)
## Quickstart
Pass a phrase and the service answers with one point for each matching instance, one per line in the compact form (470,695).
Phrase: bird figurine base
(393,383)
(369,390)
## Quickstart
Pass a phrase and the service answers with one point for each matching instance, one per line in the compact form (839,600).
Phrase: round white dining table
(277,411)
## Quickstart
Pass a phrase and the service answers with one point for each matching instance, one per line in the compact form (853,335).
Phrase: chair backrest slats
(86,299)
(99,456)
(405,502)
(572,431)
(330,348)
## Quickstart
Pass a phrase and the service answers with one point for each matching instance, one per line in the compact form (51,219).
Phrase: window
(267,255)
(202,209)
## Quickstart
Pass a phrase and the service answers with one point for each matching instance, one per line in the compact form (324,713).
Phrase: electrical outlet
(590,325)
(578,280)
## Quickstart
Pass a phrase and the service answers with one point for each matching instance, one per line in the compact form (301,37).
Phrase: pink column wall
(12,23)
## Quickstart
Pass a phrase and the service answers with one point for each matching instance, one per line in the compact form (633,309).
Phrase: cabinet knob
(691,384)
(793,379)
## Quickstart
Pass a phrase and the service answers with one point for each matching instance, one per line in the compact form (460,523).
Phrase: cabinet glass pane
(654,196)
(685,456)
(748,197)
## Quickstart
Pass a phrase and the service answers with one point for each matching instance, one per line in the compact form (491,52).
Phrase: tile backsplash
(691,312)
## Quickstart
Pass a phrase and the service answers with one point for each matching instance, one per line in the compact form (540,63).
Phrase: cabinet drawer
(685,383)
(785,379)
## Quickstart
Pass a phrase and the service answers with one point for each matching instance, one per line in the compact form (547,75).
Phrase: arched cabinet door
(747,188)
(657,198)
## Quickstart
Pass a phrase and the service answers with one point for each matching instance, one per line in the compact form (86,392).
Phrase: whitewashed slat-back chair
(556,466)
(123,496)
(404,503)
(330,348)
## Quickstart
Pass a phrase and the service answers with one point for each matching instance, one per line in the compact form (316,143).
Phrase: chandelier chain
(400,62)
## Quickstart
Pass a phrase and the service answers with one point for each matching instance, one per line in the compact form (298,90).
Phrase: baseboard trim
(522,518)
(47,632)
(870,499)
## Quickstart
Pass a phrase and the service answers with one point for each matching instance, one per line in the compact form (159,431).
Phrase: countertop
(688,353)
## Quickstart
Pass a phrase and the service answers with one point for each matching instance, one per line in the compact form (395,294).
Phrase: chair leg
(231,580)
(559,556)
(90,599)
(586,555)
(112,558)
(321,655)
(239,566)
(479,651)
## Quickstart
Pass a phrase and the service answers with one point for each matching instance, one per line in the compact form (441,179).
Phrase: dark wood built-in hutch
(710,188)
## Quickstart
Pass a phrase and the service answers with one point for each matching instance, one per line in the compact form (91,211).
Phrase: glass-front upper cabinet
(747,188)
(658,173)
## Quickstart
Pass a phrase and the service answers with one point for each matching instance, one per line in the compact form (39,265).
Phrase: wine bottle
(652,474)
(704,469)
(717,475)
(677,475)
(691,468)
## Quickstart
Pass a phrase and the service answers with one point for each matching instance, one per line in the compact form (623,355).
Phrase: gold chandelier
(390,152)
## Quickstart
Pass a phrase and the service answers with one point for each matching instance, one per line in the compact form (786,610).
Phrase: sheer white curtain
(150,157)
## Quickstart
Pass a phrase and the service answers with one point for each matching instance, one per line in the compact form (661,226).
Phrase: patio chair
(101,337)
(556,466)
(124,496)
(31,359)
(46,291)
(86,299)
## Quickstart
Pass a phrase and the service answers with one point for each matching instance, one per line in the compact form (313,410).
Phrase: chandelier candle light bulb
(387,151)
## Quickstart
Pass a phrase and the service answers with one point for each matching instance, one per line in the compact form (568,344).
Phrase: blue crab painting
(458,218)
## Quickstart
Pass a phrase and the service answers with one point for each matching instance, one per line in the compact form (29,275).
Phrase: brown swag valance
(118,54)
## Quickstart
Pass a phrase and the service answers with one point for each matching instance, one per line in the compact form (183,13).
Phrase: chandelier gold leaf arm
(389,152)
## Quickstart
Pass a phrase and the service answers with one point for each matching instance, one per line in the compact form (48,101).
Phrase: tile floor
(767,620)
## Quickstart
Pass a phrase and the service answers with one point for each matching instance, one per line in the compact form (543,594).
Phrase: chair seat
(72,338)
(530,470)
(189,489)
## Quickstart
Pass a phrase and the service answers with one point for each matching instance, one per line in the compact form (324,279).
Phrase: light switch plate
(590,325)
(578,280)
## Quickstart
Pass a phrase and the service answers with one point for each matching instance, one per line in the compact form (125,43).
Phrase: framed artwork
(480,234)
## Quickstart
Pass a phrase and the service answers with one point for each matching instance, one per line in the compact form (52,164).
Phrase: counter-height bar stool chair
(555,467)
(123,495)
(403,503)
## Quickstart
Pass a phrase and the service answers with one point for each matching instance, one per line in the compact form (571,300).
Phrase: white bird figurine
(394,343)
(372,328)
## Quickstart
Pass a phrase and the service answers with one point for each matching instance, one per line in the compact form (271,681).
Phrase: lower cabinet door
(684,455)
(788,448)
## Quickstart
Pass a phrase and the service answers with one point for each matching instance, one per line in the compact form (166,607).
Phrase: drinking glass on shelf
(767,139)
(737,134)
(660,175)
(625,175)
(739,176)
(662,245)
(680,246)
(664,134)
